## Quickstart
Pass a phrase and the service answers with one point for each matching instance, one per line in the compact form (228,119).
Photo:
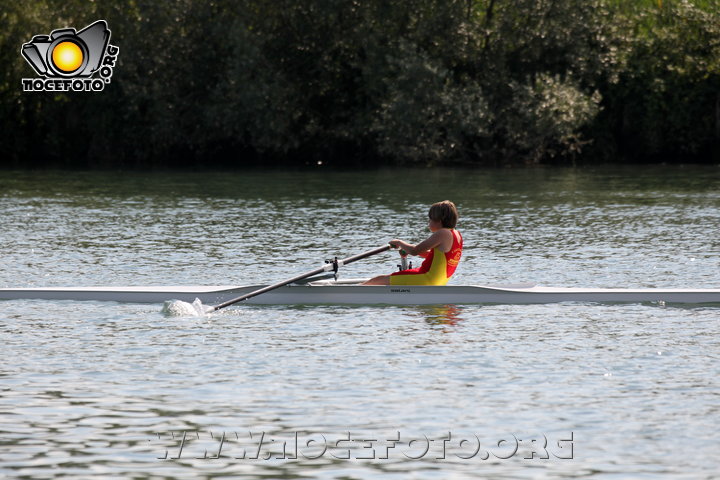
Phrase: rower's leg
(379,280)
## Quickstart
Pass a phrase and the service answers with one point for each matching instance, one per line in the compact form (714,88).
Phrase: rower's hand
(399,244)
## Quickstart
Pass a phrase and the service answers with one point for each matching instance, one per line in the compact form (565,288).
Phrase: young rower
(442,251)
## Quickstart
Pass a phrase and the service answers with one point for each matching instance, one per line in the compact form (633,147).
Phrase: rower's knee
(379,280)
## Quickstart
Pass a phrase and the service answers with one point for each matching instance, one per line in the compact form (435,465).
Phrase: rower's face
(434,225)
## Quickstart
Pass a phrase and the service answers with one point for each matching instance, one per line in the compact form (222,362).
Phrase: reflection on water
(441,314)
(86,388)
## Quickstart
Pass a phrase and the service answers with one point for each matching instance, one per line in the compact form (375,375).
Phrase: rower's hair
(445,213)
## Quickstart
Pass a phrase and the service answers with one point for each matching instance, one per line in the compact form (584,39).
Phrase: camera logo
(68,59)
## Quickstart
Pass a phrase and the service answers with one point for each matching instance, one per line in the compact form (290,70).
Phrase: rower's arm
(423,248)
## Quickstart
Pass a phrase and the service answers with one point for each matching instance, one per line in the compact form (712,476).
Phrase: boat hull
(369,295)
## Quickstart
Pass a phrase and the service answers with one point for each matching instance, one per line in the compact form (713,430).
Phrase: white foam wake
(178,308)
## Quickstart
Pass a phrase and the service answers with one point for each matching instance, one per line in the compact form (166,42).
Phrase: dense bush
(486,82)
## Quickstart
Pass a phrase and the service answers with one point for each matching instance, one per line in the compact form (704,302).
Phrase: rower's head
(444,213)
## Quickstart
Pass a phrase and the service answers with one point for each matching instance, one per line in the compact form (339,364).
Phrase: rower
(442,251)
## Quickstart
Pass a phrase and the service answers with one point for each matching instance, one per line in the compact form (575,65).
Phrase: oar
(325,268)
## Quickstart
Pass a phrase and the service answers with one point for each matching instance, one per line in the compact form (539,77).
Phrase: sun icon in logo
(67,56)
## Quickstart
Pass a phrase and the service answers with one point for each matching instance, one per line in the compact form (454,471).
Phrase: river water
(107,390)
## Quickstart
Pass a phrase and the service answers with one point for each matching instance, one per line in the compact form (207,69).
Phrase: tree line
(222,83)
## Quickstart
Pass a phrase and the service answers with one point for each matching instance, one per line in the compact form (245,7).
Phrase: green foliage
(229,83)
(666,104)
(543,118)
(426,115)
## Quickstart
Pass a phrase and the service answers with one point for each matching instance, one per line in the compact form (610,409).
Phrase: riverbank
(434,83)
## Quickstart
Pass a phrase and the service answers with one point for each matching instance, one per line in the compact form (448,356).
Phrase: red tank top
(452,256)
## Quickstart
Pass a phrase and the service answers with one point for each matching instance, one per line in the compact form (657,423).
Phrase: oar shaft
(317,271)
(369,253)
(266,289)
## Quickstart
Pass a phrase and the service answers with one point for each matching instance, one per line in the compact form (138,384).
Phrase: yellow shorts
(415,279)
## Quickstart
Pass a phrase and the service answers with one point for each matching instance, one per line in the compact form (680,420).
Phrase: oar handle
(317,271)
